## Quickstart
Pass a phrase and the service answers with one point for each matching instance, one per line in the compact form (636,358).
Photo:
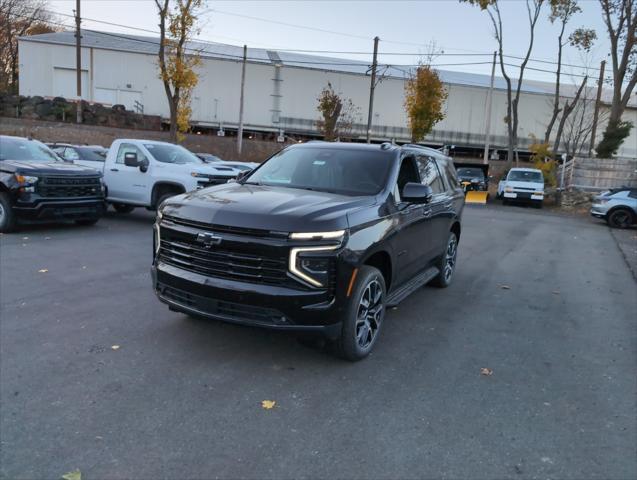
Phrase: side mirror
(242,175)
(130,159)
(416,193)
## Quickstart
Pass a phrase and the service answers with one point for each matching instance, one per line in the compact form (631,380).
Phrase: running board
(411,286)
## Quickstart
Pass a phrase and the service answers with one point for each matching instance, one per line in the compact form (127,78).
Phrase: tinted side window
(632,193)
(126,148)
(430,175)
(450,174)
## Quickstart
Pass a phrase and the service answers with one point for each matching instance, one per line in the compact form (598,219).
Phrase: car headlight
(200,175)
(25,180)
(508,189)
(312,264)
(538,193)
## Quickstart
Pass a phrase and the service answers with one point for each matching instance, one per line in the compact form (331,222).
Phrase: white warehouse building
(281,89)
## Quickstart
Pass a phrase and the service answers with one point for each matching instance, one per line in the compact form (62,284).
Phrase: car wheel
(364,317)
(87,221)
(123,208)
(7,217)
(620,218)
(447,263)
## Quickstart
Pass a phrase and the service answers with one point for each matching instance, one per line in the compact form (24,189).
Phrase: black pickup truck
(36,185)
(322,238)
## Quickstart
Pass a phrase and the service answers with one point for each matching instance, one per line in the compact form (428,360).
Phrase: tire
(620,218)
(164,197)
(123,208)
(87,222)
(362,324)
(7,216)
(447,263)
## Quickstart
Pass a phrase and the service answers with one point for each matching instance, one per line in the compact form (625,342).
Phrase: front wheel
(364,316)
(7,217)
(620,218)
(447,263)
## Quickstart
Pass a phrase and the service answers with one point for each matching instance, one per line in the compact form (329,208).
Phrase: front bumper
(599,211)
(527,196)
(273,307)
(35,208)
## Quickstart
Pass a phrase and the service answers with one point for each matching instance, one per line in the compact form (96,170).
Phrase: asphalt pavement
(97,375)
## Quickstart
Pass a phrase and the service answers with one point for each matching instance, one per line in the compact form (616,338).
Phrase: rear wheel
(447,263)
(123,208)
(620,218)
(364,317)
(7,217)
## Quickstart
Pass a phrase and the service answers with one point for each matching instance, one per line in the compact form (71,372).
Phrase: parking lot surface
(546,303)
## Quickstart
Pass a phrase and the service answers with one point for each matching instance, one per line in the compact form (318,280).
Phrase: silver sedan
(618,207)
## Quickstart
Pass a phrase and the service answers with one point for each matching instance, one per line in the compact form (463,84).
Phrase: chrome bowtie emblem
(208,239)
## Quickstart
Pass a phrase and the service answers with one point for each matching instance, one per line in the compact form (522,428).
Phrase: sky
(460,31)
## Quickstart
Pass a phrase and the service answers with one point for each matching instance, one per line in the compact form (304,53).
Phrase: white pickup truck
(522,185)
(142,173)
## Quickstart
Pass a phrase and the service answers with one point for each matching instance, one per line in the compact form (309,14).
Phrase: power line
(204,41)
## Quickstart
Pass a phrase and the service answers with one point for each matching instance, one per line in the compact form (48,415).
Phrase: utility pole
(78,60)
(243,82)
(371,90)
(600,83)
(487,135)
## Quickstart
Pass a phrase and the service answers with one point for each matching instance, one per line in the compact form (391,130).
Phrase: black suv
(36,185)
(322,237)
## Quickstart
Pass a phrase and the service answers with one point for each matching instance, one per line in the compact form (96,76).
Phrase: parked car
(522,185)
(143,173)
(473,176)
(88,155)
(617,206)
(321,238)
(241,166)
(36,185)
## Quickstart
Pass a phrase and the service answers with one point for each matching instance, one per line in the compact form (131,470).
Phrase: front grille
(213,180)
(64,187)
(188,254)
(252,232)
(222,308)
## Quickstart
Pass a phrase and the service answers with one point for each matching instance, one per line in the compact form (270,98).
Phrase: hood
(266,207)
(46,168)
(525,185)
(212,169)
(470,178)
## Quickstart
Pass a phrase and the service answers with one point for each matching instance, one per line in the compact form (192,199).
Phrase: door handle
(114,170)
(426,212)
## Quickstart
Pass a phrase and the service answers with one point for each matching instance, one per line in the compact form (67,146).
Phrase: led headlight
(308,264)
(312,263)
(200,175)
(25,179)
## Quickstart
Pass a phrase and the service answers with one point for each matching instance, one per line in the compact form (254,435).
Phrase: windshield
(92,153)
(470,172)
(168,153)
(339,170)
(525,176)
(25,150)
(206,157)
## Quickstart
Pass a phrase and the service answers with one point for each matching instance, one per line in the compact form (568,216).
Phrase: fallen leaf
(43,270)
(268,404)
(115,347)
(486,371)
(505,287)
(83,267)
(74,475)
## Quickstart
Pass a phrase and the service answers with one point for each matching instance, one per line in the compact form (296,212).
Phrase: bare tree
(533,9)
(18,18)
(582,38)
(569,106)
(620,17)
